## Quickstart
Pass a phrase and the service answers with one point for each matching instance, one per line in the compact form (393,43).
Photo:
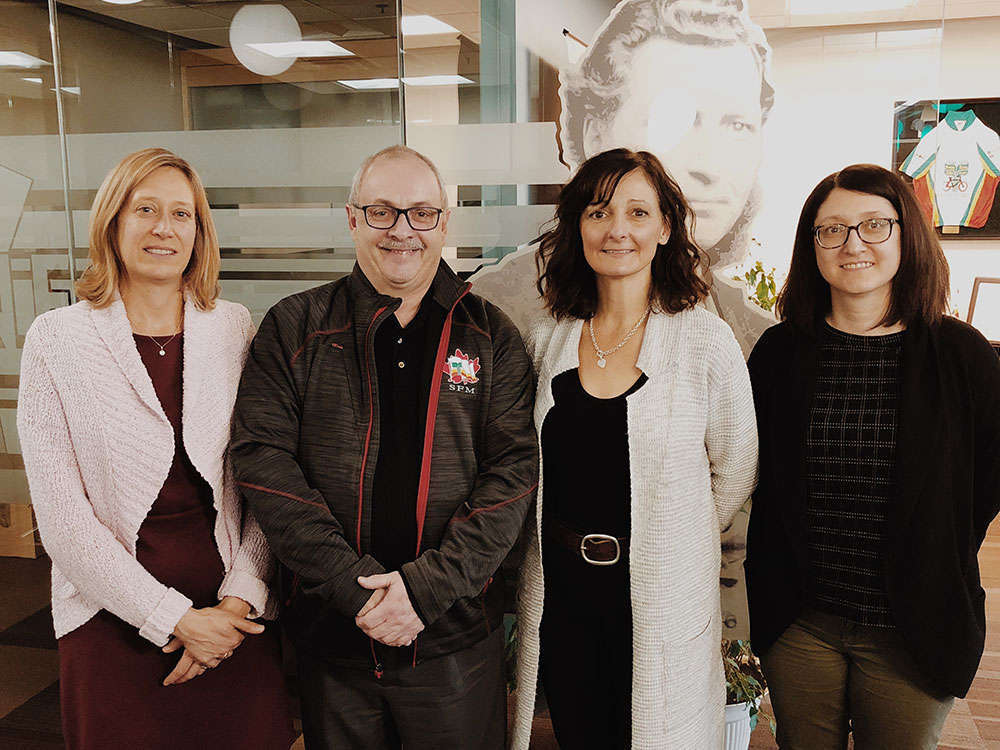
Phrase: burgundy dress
(111,678)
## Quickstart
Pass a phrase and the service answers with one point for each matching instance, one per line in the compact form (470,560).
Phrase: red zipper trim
(423,488)
(368,434)
(476,328)
(279,493)
(313,335)
(495,506)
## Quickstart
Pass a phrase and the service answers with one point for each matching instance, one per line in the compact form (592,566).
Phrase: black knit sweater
(947,491)
(850,464)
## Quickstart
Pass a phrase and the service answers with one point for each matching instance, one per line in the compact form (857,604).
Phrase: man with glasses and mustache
(383,438)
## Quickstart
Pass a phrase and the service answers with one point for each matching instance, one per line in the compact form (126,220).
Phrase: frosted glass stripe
(511,153)
(491,226)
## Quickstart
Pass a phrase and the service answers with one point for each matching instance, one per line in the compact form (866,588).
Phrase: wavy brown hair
(99,282)
(920,289)
(566,281)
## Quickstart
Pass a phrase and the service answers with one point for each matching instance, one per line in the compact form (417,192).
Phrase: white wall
(836,88)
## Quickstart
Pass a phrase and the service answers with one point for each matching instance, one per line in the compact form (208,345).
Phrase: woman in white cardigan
(649,447)
(124,415)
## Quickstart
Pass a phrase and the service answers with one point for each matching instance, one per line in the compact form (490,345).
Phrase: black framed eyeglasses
(870,231)
(420,218)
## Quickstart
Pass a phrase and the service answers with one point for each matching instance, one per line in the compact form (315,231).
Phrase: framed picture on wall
(984,309)
(950,150)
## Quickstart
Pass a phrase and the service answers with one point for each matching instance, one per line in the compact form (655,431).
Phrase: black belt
(596,549)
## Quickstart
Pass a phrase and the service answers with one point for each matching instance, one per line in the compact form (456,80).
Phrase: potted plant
(762,288)
(745,687)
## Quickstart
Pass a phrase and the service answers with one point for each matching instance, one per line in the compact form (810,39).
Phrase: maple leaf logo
(462,369)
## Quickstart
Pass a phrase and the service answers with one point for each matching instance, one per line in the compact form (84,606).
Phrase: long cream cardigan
(692,441)
(97,447)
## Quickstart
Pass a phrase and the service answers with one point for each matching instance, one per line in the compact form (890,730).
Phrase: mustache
(401,245)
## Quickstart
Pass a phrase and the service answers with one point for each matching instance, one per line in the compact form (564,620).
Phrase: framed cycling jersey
(950,149)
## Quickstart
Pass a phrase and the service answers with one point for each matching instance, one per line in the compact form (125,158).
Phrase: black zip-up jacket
(305,446)
(947,493)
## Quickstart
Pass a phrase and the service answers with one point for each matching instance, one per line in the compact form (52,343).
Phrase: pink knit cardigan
(97,447)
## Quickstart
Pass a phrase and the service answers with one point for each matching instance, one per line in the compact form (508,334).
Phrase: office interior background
(276,105)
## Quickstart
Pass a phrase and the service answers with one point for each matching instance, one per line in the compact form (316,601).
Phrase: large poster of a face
(689,81)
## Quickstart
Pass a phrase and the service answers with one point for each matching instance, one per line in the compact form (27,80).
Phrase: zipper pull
(378,665)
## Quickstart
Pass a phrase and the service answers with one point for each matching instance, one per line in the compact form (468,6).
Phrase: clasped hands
(388,616)
(208,636)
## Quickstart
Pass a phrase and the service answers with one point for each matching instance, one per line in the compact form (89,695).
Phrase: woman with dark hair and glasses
(649,447)
(879,424)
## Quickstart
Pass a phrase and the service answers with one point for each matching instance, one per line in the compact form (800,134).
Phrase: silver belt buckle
(600,538)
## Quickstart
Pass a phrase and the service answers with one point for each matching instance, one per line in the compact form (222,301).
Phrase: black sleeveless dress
(586,630)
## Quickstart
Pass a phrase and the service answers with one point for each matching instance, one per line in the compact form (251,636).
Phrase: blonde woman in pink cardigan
(158,575)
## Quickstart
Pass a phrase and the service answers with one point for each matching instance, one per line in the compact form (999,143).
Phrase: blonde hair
(100,280)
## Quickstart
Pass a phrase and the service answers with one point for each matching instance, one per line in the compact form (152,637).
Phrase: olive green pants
(828,676)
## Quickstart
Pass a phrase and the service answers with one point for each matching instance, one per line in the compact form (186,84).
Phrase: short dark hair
(920,288)
(565,279)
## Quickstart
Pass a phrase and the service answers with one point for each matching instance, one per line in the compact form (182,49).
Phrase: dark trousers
(455,701)
(586,652)
(828,676)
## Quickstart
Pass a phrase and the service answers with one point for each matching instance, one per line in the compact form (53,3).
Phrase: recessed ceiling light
(305,48)
(421,25)
(371,83)
(32,80)
(123,2)
(20,60)
(391,83)
(435,80)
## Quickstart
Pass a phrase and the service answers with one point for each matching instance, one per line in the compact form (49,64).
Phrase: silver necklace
(603,354)
(163,353)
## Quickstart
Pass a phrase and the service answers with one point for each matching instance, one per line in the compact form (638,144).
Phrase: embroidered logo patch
(461,369)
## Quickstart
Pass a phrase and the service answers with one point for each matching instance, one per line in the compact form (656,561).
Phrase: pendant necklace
(603,354)
(162,352)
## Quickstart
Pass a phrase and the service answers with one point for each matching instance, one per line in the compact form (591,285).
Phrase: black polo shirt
(404,360)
